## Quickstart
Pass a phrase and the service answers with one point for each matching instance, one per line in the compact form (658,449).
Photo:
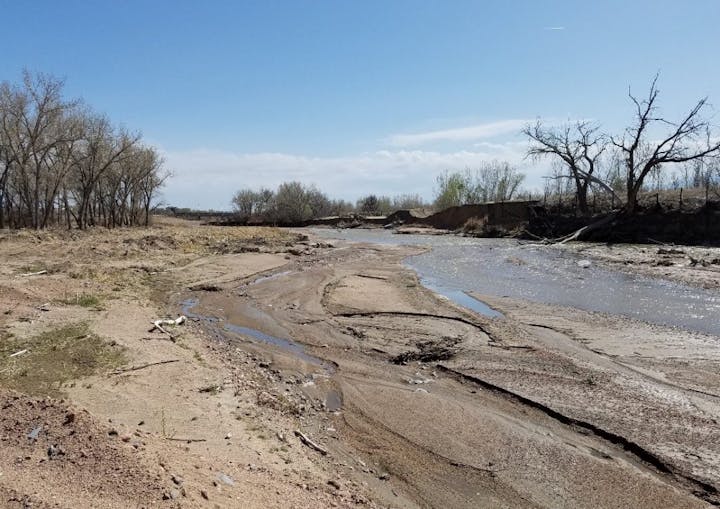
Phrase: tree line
(652,152)
(295,202)
(61,163)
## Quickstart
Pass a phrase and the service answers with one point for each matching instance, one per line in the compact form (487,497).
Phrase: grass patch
(54,358)
(86,300)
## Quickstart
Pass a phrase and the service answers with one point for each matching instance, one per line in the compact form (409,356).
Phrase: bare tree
(579,147)
(59,159)
(689,139)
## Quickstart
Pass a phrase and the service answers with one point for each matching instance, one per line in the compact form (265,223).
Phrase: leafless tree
(579,146)
(59,160)
(689,139)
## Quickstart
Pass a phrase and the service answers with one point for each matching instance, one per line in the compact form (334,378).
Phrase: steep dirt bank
(318,376)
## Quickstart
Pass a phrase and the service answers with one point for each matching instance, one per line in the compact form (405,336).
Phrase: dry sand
(417,403)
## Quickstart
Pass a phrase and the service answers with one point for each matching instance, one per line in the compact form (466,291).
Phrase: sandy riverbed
(417,402)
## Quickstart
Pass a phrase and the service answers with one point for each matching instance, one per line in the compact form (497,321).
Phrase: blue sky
(358,96)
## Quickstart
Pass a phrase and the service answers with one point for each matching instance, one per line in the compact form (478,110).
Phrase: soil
(315,374)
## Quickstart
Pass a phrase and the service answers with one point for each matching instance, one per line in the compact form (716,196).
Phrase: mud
(540,407)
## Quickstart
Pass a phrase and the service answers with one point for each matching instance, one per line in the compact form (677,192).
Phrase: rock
(226,479)
(35,433)
(204,494)
(584,263)
(177,479)
(384,476)
(69,418)
(55,451)
(126,437)
(228,436)
(334,484)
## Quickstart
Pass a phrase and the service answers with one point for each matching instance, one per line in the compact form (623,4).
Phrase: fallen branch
(158,324)
(143,366)
(578,234)
(19,353)
(312,445)
(38,273)
(188,440)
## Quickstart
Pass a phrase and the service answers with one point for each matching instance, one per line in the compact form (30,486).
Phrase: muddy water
(189,309)
(506,267)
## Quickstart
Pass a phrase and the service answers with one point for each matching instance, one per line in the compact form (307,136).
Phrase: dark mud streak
(700,489)
(460,319)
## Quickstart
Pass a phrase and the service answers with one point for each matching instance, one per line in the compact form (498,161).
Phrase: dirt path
(336,381)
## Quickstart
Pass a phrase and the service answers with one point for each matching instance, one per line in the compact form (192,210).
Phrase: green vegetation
(54,358)
(85,300)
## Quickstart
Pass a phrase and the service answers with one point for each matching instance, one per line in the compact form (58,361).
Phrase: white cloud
(459,134)
(208,178)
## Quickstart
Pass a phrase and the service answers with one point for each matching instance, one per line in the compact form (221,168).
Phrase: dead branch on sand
(38,273)
(143,366)
(158,324)
(312,445)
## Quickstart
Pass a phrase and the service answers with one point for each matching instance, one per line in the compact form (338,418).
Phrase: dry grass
(54,358)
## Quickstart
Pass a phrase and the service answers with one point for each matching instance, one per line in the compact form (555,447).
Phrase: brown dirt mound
(52,455)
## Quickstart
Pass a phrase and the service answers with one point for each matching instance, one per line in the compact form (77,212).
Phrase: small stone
(177,479)
(204,494)
(228,436)
(54,451)
(334,484)
(226,479)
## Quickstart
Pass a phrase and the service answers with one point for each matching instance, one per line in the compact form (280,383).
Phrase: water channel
(507,267)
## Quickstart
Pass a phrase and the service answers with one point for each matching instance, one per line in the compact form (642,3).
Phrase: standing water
(509,268)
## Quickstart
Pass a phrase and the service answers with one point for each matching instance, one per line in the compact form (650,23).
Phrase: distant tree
(643,151)
(492,181)
(341,207)
(291,203)
(407,201)
(497,181)
(452,190)
(244,204)
(368,205)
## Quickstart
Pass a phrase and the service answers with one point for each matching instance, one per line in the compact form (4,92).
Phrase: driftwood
(312,445)
(578,234)
(38,273)
(158,324)
(143,366)
(18,353)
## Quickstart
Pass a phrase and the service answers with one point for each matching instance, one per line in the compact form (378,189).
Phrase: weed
(85,300)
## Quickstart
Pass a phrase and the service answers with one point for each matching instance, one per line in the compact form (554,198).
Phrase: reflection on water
(507,267)
(288,345)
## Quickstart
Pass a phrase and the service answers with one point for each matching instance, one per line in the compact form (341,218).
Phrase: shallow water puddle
(288,345)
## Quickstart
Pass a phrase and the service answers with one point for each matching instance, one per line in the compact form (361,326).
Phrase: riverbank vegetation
(61,163)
